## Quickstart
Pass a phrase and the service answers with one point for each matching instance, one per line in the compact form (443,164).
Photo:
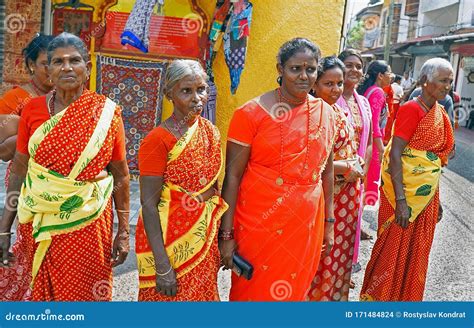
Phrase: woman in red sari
(15,280)
(70,162)
(180,161)
(332,280)
(410,208)
(279,182)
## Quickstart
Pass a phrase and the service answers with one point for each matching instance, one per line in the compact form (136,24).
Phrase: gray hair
(181,68)
(65,40)
(431,67)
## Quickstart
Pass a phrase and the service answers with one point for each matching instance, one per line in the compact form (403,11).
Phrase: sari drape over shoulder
(189,223)
(279,228)
(399,261)
(71,218)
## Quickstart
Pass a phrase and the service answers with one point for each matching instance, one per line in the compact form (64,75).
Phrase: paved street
(451,271)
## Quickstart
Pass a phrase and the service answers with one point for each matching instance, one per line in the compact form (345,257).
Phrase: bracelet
(6,233)
(225,235)
(164,274)
(400,198)
(330,220)
(122,211)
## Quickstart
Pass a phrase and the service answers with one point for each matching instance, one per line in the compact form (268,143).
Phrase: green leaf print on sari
(71,205)
(424,190)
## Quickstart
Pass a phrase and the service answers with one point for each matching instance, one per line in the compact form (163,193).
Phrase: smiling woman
(70,162)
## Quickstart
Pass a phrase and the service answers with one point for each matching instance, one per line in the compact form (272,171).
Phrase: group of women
(291,203)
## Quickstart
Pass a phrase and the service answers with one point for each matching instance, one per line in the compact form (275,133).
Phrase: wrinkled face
(354,70)
(330,85)
(40,69)
(67,69)
(299,74)
(189,96)
(439,87)
(385,78)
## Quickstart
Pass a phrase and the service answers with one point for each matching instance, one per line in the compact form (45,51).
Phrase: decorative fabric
(189,225)
(21,23)
(137,28)
(333,277)
(80,258)
(137,87)
(56,204)
(209,111)
(279,228)
(399,261)
(235,43)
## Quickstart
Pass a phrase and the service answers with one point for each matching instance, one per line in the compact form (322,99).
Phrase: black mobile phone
(242,267)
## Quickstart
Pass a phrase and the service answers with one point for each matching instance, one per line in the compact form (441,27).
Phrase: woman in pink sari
(358,112)
(379,75)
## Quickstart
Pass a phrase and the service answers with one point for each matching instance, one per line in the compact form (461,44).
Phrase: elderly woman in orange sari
(15,279)
(279,182)
(410,206)
(180,161)
(332,281)
(69,163)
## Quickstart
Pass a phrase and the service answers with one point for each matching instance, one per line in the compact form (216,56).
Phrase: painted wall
(273,23)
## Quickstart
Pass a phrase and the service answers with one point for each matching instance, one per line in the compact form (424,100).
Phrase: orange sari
(189,225)
(279,227)
(15,280)
(77,265)
(399,261)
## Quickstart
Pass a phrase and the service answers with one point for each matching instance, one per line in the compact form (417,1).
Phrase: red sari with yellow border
(399,262)
(77,265)
(189,224)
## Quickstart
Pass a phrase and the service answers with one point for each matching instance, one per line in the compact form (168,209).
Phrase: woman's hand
(6,256)
(166,283)
(402,214)
(227,249)
(120,248)
(440,212)
(328,241)
(352,175)
(102,175)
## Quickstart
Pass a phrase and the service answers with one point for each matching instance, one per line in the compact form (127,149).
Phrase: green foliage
(356,35)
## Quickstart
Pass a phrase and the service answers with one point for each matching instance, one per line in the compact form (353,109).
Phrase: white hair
(431,67)
(181,68)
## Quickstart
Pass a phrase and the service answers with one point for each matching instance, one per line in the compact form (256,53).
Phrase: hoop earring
(279,80)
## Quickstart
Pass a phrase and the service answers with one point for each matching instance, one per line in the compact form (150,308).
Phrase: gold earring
(424,84)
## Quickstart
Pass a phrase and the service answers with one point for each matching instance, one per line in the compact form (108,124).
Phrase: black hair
(350,52)
(375,68)
(397,78)
(36,46)
(328,63)
(290,48)
(65,40)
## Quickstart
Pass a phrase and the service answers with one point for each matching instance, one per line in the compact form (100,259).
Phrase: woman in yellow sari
(180,161)
(410,208)
(69,163)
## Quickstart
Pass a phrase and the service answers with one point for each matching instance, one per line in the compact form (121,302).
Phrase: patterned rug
(137,87)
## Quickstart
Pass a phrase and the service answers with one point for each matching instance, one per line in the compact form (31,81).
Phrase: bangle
(330,220)
(226,234)
(6,233)
(164,274)
(400,198)
(122,211)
